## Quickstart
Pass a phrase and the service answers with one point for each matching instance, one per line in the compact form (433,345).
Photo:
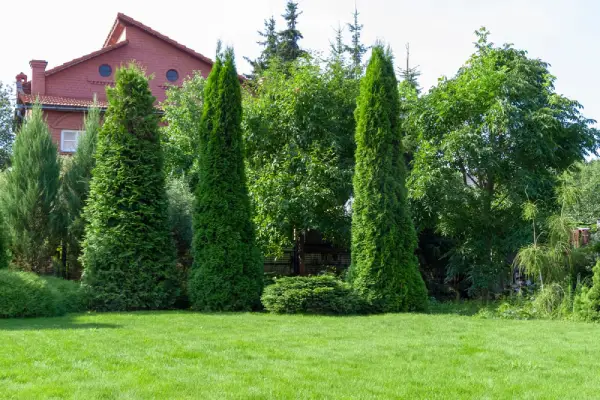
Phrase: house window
(172,75)
(105,70)
(69,140)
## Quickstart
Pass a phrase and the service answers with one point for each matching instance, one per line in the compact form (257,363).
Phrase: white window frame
(78,135)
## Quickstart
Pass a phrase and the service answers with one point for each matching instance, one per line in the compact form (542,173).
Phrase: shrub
(587,303)
(25,294)
(71,296)
(128,252)
(323,294)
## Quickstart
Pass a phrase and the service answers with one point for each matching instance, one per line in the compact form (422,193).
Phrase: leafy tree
(288,47)
(182,114)
(30,195)
(583,182)
(270,46)
(384,267)
(298,127)
(356,49)
(227,273)
(490,137)
(6,125)
(75,190)
(128,253)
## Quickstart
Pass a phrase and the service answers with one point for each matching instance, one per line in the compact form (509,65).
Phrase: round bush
(316,295)
(24,294)
(70,295)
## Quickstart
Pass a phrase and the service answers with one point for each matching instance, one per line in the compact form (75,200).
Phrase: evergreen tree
(410,74)
(128,253)
(384,266)
(289,49)
(270,46)
(75,189)
(356,49)
(228,269)
(30,195)
(337,46)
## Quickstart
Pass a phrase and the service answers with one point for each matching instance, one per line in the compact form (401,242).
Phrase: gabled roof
(124,21)
(86,57)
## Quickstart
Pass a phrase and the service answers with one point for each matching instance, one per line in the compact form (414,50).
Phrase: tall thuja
(128,252)
(227,271)
(384,267)
(75,190)
(30,195)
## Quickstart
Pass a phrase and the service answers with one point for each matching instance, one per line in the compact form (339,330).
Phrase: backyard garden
(471,211)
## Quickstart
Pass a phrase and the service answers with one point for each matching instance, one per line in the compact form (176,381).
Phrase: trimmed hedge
(312,295)
(25,294)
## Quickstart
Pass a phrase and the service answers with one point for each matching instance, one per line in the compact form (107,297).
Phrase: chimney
(38,76)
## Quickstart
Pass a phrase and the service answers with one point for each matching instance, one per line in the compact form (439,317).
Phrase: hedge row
(25,294)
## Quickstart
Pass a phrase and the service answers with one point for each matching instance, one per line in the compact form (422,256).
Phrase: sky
(564,33)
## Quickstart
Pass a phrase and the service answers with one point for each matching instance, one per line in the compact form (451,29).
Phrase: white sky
(564,33)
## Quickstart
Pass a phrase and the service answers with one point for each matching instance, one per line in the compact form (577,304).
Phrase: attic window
(172,75)
(105,70)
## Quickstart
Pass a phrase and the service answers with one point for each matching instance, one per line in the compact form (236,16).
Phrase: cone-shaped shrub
(384,267)
(227,270)
(30,195)
(128,253)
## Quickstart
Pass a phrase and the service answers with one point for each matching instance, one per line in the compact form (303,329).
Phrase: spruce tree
(227,270)
(75,189)
(128,252)
(30,195)
(270,46)
(356,48)
(289,49)
(384,267)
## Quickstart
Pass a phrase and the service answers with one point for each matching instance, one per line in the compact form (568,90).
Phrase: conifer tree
(30,195)
(270,46)
(356,48)
(128,252)
(289,49)
(410,74)
(75,189)
(384,267)
(336,47)
(227,270)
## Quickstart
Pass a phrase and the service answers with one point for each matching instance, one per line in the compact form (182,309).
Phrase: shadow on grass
(61,323)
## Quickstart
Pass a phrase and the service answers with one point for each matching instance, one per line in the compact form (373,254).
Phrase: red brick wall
(83,80)
(59,120)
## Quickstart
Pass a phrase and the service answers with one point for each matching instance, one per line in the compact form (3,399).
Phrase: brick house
(66,91)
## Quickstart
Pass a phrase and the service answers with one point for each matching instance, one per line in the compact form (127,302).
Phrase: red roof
(123,19)
(60,101)
(86,57)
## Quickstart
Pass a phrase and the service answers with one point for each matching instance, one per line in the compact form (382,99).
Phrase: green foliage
(25,294)
(587,302)
(128,253)
(30,195)
(580,191)
(324,294)
(75,189)
(288,48)
(71,296)
(384,267)
(227,273)
(356,49)
(298,129)
(7,135)
(490,139)
(182,114)
(270,45)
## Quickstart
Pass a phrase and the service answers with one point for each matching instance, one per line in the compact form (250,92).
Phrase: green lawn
(184,355)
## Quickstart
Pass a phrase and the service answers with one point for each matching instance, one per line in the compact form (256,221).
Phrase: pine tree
(384,267)
(128,252)
(336,47)
(227,271)
(356,49)
(75,189)
(410,74)
(270,45)
(30,195)
(289,49)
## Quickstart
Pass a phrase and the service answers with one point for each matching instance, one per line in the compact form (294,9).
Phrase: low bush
(25,294)
(314,295)
(587,301)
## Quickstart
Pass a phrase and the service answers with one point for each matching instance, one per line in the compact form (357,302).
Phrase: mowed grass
(185,355)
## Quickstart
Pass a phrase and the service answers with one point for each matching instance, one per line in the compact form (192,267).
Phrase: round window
(172,75)
(105,70)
